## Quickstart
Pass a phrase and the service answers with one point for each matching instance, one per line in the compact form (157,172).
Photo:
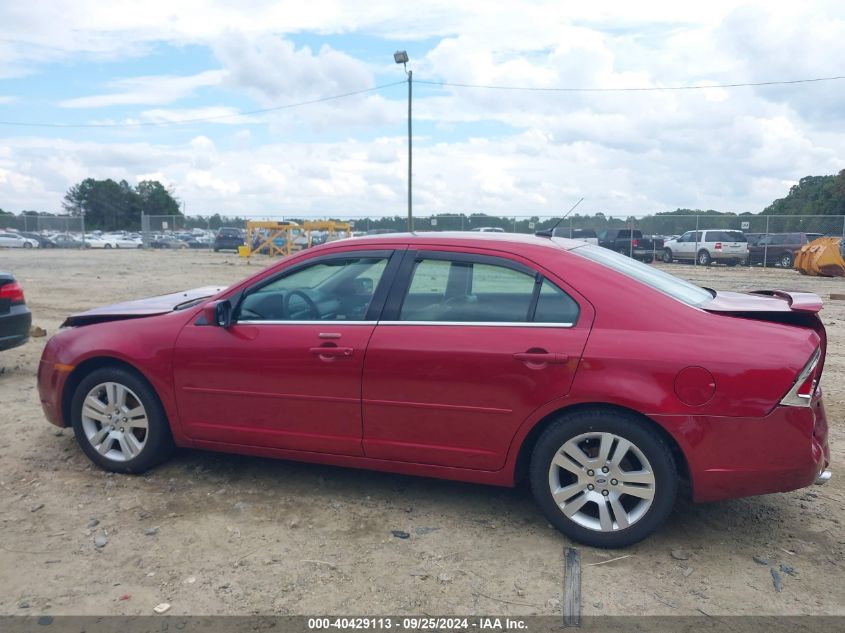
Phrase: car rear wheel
(667,255)
(603,478)
(786,260)
(119,421)
(704,258)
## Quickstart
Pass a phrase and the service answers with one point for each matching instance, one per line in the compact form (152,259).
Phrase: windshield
(664,282)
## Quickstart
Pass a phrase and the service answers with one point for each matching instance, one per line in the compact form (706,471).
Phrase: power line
(448,84)
(630,89)
(286,106)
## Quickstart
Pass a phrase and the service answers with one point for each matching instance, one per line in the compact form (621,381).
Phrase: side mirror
(218,313)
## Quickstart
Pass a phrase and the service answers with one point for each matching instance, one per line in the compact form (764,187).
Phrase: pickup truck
(631,242)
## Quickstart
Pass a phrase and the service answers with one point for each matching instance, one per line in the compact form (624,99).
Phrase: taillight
(718,246)
(635,243)
(804,389)
(13,292)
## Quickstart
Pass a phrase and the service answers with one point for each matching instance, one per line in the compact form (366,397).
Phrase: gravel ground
(222,534)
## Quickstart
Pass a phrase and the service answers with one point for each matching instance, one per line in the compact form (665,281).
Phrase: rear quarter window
(668,284)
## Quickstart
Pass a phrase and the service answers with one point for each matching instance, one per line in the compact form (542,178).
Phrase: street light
(401,57)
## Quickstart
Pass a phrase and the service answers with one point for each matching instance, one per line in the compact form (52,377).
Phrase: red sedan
(479,357)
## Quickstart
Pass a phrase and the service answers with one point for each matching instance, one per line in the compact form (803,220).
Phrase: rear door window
(467,290)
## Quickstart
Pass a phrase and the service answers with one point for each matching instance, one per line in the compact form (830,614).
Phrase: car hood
(142,307)
(764,301)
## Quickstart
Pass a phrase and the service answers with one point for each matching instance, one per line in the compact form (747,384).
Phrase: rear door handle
(552,358)
(332,351)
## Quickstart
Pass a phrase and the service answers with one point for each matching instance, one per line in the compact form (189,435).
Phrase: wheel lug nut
(109,416)
(126,419)
(605,469)
(605,492)
(590,473)
(590,487)
(613,482)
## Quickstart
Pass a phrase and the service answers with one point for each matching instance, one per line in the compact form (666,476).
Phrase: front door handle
(538,358)
(332,351)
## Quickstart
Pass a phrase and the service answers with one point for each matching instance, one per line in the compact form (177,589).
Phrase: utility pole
(401,57)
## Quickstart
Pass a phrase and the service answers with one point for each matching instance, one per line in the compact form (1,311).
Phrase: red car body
(453,401)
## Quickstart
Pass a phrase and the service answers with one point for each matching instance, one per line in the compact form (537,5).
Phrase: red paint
(694,386)
(457,402)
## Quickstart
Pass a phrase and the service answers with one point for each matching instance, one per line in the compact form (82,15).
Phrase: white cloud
(497,151)
(149,90)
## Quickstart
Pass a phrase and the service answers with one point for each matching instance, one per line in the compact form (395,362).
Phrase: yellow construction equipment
(330,226)
(282,238)
(823,257)
(271,237)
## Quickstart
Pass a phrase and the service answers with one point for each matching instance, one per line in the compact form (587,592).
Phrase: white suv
(713,245)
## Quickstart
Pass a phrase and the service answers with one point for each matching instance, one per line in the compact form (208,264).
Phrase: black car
(15,317)
(228,239)
(631,242)
(43,240)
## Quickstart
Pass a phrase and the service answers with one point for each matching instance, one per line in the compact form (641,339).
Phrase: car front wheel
(786,261)
(704,258)
(667,255)
(119,421)
(603,477)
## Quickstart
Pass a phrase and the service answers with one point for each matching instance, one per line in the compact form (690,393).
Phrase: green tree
(155,199)
(110,205)
(813,195)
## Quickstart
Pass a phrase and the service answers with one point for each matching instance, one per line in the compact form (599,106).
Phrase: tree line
(111,205)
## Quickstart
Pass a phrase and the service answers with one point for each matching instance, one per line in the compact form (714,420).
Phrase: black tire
(704,258)
(786,260)
(667,256)
(159,441)
(107,246)
(27,245)
(731,262)
(624,425)
(647,259)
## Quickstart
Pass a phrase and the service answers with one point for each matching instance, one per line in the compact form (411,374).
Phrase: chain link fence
(44,224)
(158,229)
(154,228)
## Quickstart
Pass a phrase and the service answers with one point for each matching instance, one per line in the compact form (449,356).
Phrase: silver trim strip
(325,323)
(482,323)
(452,323)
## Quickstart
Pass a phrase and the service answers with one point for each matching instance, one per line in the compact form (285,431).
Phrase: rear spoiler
(798,301)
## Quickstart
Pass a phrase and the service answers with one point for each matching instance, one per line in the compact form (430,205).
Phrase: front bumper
(731,457)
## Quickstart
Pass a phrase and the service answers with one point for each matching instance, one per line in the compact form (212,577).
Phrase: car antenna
(550,232)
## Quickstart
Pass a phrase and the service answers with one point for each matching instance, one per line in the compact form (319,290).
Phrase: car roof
(461,238)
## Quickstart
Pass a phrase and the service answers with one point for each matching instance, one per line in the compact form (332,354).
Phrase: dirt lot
(216,534)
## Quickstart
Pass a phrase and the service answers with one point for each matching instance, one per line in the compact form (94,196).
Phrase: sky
(105,81)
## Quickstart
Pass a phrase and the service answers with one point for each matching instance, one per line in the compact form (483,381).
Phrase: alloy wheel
(115,421)
(602,481)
